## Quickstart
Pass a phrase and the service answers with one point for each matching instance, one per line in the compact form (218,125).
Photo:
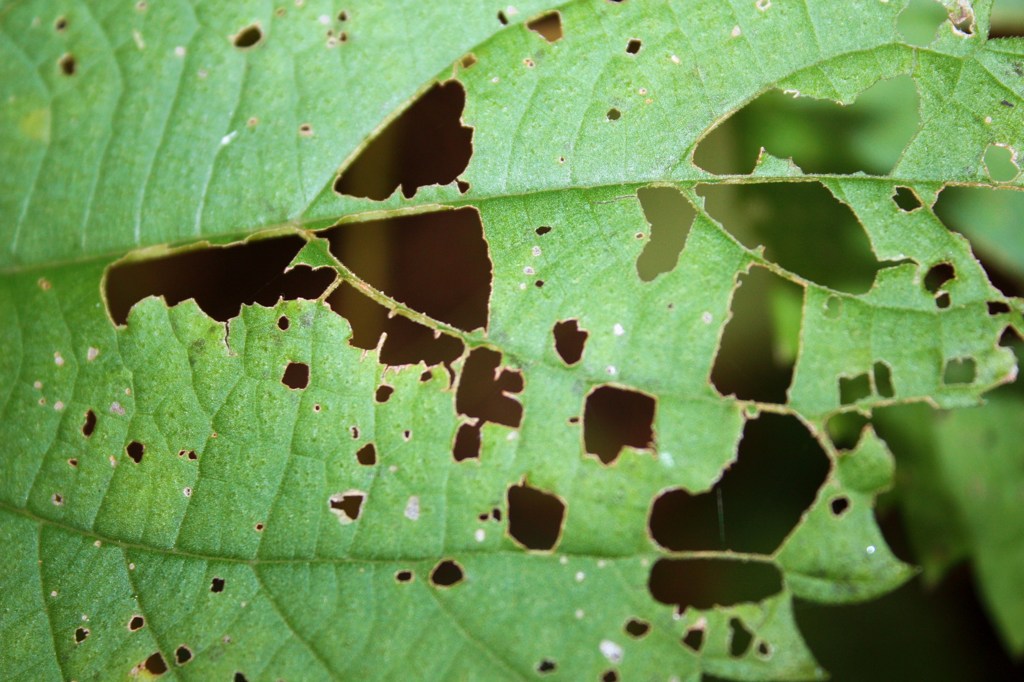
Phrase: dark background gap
(220,279)
(426,145)
(436,263)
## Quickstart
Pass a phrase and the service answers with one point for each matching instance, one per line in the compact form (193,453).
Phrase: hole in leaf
(751,508)
(614,114)
(502,18)
(535,517)
(136,623)
(704,583)
(615,417)
(483,391)
(633,46)
(467,443)
(250,36)
(217,585)
(383,393)
(60,24)
(844,429)
(435,263)
(220,279)
(694,639)
(548,26)
(920,20)
(938,276)
(155,664)
(839,505)
(347,506)
(852,389)
(468,60)
(764,650)
(367,455)
(543,230)
(546,666)
(135,450)
(446,574)
(426,145)
(740,638)
(833,307)
(283,323)
(637,628)
(610,676)
(906,199)
(296,375)
(670,216)
(820,136)
(407,342)
(182,655)
(90,423)
(569,341)
(1000,164)
(67,64)
(787,218)
(998,308)
(81,634)
(883,380)
(403,576)
(757,353)
(959,371)
(240,677)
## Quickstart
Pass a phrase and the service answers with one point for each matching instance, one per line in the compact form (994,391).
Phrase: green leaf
(187,494)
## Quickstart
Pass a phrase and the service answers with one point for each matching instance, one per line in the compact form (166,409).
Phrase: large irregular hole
(759,499)
(990,219)
(959,371)
(535,517)
(906,199)
(81,634)
(426,145)
(1000,163)
(446,574)
(920,20)
(367,455)
(803,227)
(820,136)
(569,341)
(135,450)
(548,26)
(435,263)
(296,375)
(757,354)
(615,417)
(853,389)
(484,389)
(347,506)
(670,216)
(220,279)
(467,443)
(704,583)
(155,665)
(1007,20)
(740,638)
(406,343)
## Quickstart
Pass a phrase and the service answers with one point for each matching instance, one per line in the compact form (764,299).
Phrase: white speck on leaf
(179,51)
(187,492)
(37,385)
(736,31)
(53,593)
(92,353)
(479,535)
(675,59)
(226,140)
(871,549)
(535,251)
(579,614)
(580,576)
(116,408)
(763,5)
(706,317)
(563,560)
(137,37)
(618,330)
(412,508)
(58,359)
(528,270)
(611,370)
(58,406)
(611,650)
